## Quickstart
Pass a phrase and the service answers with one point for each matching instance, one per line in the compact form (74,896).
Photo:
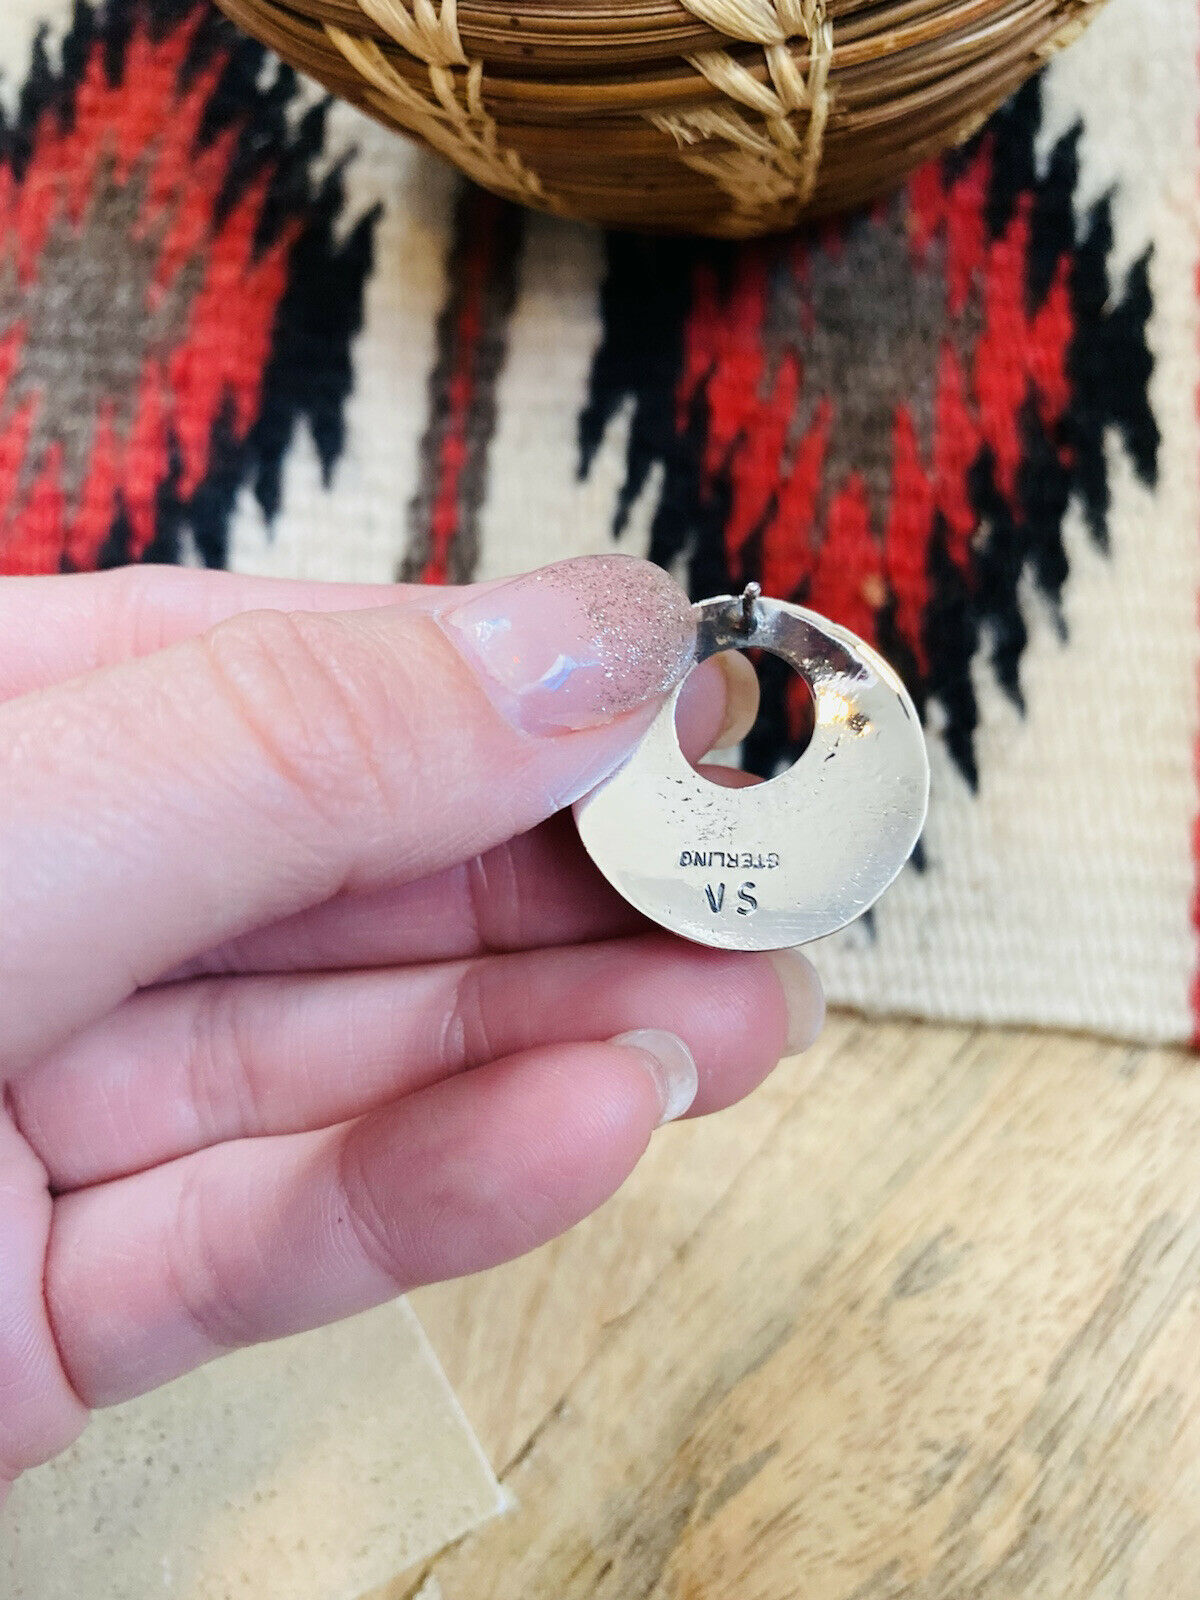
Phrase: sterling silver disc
(785,861)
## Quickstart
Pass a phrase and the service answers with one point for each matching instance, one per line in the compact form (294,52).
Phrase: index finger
(56,628)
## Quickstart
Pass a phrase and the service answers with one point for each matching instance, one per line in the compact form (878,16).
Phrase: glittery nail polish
(578,643)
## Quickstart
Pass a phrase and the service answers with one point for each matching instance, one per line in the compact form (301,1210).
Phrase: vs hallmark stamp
(746,902)
(846,815)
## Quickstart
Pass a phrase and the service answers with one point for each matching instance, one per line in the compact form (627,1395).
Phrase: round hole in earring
(772,721)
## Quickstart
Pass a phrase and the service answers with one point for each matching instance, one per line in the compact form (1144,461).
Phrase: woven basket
(729,117)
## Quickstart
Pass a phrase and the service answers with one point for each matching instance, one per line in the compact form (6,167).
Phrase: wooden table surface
(920,1320)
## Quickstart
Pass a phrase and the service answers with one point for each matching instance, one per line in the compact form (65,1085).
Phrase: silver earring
(789,860)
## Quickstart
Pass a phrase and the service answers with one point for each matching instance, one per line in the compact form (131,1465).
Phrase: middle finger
(537,890)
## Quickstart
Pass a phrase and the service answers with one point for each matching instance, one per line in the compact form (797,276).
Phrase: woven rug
(243,327)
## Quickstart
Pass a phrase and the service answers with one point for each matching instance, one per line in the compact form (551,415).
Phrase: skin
(297,1012)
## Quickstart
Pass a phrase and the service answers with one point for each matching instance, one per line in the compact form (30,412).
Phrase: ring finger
(190,1065)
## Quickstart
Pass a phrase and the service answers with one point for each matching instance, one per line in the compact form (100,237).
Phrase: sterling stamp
(792,859)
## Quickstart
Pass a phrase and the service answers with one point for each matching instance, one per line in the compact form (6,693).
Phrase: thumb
(156,808)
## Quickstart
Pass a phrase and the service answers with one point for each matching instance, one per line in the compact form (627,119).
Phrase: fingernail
(577,644)
(805,998)
(671,1066)
(741,698)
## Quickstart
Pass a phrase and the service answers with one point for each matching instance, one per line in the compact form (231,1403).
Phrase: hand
(307,996)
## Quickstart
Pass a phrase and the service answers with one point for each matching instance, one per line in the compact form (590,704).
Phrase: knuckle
(312,698)
(198,1268)
(499,901)
(457,1213)
(135,617)
(218,1068)
(373,1225)
(466,1036)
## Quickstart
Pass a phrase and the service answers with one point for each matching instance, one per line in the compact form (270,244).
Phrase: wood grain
(921,1320)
